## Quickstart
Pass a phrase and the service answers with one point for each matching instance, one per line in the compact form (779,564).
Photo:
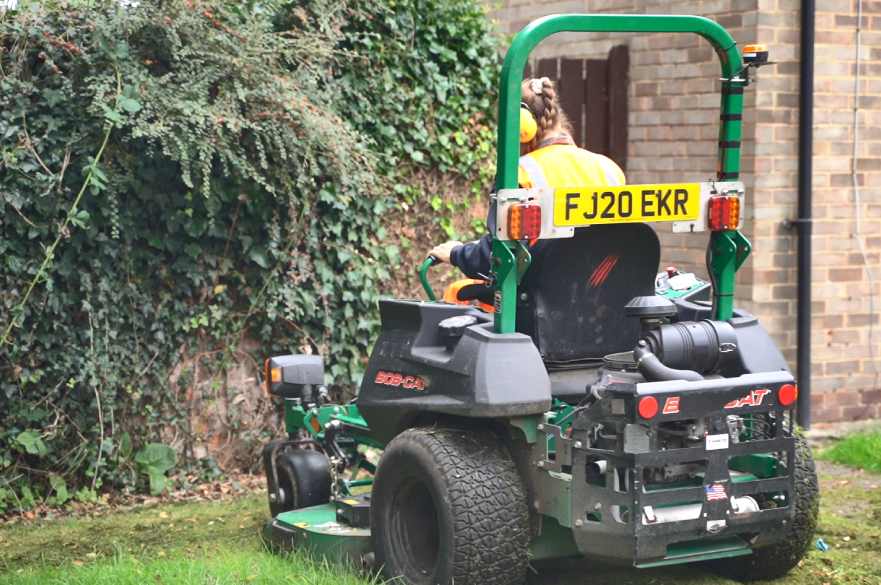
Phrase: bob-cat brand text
(398,380)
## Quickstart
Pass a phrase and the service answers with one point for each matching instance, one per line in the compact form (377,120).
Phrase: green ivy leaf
(129,104)
(59,486)
(155,459)
(32,443)
(258,255)
(157,482)
(125,446)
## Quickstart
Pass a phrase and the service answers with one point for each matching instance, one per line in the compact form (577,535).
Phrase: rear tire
(449,508)
(775,561)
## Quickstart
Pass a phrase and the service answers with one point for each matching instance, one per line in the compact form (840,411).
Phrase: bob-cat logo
(399,380)
(754,398)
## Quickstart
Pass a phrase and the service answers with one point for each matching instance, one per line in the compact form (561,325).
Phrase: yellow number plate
(626,204)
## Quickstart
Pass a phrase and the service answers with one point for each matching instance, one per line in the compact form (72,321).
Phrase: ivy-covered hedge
(185,180)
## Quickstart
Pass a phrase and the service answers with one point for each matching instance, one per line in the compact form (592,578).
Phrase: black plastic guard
(612,509)
(413,372)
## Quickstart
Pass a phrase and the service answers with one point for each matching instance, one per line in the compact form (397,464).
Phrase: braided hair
(540,94)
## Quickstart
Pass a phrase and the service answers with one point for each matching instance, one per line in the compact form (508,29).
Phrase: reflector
(524,221)
(648,407)
(787,394)
(724,213)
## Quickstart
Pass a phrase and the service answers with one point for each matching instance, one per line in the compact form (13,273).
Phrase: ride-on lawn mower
(591,410)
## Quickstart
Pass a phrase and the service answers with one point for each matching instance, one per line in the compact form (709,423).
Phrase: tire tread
(488,502)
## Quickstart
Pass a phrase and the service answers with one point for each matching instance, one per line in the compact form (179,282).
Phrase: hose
(654,371)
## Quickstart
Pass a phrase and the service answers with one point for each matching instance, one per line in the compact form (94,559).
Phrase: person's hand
(442,251)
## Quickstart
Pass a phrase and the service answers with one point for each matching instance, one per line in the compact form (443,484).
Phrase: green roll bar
(727,250)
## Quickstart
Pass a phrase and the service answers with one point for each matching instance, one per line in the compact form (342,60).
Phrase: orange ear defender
(528,125)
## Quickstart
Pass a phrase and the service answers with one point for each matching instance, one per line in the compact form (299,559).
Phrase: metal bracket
(562,448)
(543,196)
(790,224)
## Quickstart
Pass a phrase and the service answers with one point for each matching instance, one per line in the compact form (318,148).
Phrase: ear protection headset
(528,125)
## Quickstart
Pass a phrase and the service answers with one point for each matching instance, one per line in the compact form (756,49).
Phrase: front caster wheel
(449,507)
(300,478)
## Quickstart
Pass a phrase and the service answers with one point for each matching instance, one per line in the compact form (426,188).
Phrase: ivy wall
(189,185)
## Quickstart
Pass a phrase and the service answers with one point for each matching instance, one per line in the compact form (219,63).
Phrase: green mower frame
(718,473)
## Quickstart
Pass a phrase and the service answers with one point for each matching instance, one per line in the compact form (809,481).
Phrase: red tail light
(524,221)
(648,407)
(724,213)
(787,395)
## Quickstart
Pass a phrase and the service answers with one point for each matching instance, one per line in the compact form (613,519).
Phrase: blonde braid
(541,96)
(548,96)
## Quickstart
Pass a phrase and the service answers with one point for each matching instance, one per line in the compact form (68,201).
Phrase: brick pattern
(674,105)
(847,295)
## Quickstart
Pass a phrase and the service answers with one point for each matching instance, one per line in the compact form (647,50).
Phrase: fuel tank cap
(452,328)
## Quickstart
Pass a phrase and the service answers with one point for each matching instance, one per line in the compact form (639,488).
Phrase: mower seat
(576,289)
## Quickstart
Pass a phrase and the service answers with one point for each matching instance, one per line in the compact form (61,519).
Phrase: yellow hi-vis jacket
(555,165)
(566,165)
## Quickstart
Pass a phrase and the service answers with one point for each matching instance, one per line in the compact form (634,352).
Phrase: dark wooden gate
(593,93)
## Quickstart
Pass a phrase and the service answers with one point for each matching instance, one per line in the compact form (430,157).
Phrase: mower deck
(323,532)
(317,531)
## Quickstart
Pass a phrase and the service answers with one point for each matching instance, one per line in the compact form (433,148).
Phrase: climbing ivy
(185,180)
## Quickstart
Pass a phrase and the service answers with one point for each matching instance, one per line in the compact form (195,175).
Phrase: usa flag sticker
(716,492)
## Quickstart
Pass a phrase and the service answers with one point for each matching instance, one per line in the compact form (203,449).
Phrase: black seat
(577,287)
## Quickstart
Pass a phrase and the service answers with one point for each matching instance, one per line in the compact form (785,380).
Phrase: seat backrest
(577,287)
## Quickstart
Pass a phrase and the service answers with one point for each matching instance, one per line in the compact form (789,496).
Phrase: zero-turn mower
(595,409)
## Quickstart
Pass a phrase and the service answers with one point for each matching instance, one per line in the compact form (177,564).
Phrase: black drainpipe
(803,223)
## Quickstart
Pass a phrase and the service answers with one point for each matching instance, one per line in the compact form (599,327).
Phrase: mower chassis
(587,469)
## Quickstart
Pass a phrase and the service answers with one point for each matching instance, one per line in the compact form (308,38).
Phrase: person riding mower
(549,158)
(586,412)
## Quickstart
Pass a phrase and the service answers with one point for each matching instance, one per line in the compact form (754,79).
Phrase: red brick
(855,413)
(826,414)
(847,398)
(872,397)
(845,274)
(842,367)
(860,320)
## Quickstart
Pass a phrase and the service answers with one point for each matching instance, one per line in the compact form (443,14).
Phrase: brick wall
(846,290)
(674,106)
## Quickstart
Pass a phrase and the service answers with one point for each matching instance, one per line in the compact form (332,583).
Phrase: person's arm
(473,258)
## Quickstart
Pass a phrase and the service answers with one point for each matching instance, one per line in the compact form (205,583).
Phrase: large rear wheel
(449,507)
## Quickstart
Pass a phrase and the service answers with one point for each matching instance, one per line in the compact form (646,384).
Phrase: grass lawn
(218,543)
(861,450)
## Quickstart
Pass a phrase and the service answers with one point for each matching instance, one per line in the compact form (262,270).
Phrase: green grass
(215,543)
(862,450)
(226,568)
(219,544)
